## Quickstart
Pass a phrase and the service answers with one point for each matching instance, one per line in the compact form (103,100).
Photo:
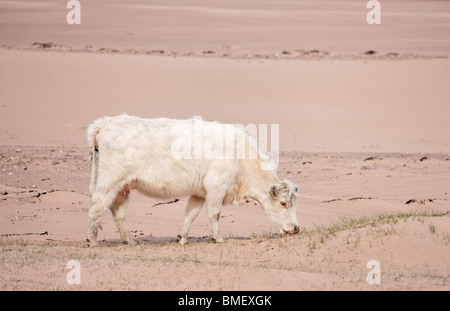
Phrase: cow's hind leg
(193,207)
(119,211)
(100,201)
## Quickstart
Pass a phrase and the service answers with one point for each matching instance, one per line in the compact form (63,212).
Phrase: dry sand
(362,135)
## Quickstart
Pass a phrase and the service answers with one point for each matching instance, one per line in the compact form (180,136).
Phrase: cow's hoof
(92,243)
(181,240)
(129,242)
(218,240)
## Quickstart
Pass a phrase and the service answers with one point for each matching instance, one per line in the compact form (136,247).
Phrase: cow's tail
(92,133)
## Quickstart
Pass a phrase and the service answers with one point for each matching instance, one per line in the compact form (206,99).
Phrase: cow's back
(146,153)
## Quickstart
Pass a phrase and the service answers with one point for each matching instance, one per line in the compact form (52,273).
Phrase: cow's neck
(256,183)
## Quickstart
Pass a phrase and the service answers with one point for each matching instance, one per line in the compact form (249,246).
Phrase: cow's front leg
(214,209)
(216,182)
(214,221)
(193,207)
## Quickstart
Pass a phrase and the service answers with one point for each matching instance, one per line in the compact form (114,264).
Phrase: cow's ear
(274,191)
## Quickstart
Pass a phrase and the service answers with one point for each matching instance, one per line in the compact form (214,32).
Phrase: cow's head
(280,206)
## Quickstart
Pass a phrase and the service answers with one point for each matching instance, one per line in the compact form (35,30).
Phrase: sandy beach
(363,120)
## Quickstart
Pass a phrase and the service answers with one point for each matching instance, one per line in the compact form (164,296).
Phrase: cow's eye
(283,204)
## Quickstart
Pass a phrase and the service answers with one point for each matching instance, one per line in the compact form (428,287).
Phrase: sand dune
(398,106)
(236,27)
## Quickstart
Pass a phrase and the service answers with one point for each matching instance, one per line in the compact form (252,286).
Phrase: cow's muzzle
(294,230)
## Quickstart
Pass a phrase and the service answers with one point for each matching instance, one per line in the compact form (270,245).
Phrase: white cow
(166,158)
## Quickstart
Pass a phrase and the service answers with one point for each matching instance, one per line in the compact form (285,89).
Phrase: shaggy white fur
(213,163)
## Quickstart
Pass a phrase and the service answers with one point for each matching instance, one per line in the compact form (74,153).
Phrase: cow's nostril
(294,230)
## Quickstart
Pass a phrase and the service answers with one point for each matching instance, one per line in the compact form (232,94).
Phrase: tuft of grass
(320,233)
(432,228)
